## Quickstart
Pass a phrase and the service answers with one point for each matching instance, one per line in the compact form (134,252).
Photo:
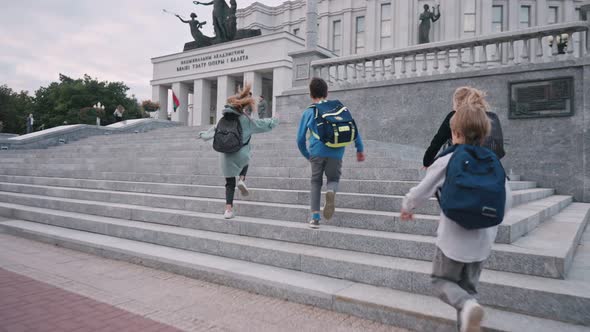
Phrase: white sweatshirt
(456,242)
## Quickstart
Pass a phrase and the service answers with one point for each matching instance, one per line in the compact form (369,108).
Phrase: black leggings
(230,187)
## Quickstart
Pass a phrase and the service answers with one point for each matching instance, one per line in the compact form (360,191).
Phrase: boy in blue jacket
(323,159)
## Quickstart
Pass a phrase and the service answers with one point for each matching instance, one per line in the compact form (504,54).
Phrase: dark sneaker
(329,205)
(315,224)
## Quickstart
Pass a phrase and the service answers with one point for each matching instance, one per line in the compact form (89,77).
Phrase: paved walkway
(30,305)
(47,288)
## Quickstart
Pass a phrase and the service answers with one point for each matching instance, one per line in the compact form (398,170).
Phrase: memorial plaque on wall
(542,98)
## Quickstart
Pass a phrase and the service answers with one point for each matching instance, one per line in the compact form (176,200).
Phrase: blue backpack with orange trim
(336,127)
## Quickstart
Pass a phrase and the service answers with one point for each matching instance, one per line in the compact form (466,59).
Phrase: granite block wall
(555,152)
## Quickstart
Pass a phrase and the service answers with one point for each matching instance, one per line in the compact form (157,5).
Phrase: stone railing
(532,45)
(65,134)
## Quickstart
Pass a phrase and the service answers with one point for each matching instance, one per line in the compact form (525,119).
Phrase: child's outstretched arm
(360,148)
(434,179)
(301,135)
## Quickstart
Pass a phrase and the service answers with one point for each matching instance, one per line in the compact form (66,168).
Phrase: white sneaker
(329,204)
(228,214)
(471,316)
(243,189)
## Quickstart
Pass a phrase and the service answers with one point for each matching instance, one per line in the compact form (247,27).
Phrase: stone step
(210,153)
(348,186)
(264,149)
(407,310)
(258,197)
(192,153)
(531,255)
(196,160)
(375,173)
(150,137)
(497,289)
(117,206)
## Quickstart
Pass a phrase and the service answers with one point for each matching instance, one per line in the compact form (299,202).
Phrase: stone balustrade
(526,46)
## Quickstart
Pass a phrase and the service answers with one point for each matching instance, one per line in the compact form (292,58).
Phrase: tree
(66,101)
(14,109)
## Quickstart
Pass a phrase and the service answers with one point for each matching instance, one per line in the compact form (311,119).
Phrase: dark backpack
(228,134)
(336,127)
(495,141)
(473,194)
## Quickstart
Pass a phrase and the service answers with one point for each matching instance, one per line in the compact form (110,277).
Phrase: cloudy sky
(108,39)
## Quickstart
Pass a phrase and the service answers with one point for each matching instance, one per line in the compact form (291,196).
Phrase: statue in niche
(425,18)
(196,26)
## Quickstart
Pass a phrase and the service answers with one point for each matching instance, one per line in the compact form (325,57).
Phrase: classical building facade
(349,27)
(203,78)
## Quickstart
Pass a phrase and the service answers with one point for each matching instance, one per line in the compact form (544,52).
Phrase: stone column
(451,18)
(311,34)
(542,12)
(201,103)
(255,79)
(348,33)
(225,88)
(569,8)
(281,81)
(181,92)
(402,31)
(513,15)
(485,27)
(371,27)
(324,32)
(160,95)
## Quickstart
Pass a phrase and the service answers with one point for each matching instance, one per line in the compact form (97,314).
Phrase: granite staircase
(157,199)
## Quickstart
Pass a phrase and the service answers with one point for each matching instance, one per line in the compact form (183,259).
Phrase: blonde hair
(470,118)
(241,99)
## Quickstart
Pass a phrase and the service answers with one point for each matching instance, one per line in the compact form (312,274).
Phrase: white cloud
(109,39)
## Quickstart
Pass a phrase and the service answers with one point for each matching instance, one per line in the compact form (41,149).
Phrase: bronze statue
(195,25)
(425,18)
(221,13)
(224,25)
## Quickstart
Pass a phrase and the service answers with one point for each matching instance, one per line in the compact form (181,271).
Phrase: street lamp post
(98,108)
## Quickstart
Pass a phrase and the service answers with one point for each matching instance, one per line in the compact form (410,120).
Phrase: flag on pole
(175,101)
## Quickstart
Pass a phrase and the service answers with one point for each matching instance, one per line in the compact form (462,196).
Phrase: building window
(386,28)
(525,17)
(553,15)
(469,18)
(337,36)
(296,32)
(497,18)
(359,43)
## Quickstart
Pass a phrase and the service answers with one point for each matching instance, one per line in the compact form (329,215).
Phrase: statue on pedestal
(425,18)
(196,26)
(221,13)
(224,25)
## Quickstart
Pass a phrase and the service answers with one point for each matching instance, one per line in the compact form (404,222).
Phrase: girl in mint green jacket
(236,164)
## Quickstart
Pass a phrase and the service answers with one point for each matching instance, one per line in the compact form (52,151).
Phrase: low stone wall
(555,152)
(65,134)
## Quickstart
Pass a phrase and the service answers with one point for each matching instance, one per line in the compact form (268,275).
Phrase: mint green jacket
(233,163)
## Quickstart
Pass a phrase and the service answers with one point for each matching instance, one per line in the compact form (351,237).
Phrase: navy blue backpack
(473,194)
(336,127)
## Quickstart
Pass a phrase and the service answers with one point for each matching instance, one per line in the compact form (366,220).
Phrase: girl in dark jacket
(443,135)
